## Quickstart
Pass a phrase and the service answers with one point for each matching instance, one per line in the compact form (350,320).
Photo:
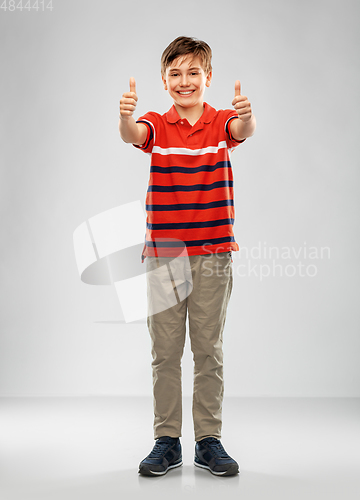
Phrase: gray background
(296,185)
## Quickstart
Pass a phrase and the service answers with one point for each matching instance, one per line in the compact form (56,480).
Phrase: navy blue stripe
(189,206)
(193,243)
(190,170)
(193,187)
(227,128)
(151,135)
(190,225)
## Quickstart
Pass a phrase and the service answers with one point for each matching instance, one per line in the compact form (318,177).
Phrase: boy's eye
(192,73)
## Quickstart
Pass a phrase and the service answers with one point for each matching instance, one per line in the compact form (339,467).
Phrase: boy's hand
(128,101)
(241,104)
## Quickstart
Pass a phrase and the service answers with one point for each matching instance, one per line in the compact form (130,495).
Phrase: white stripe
(189,152)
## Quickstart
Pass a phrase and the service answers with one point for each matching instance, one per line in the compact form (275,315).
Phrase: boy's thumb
(132,85)
(237,88)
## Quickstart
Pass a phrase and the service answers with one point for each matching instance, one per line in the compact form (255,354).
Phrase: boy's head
(184,46)
(186,71)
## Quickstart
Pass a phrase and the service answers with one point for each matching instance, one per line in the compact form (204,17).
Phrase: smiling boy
(190,212)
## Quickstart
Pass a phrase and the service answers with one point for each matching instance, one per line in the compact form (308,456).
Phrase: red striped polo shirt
(190,197)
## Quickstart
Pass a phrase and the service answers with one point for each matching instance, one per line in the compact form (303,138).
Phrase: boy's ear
(208,79)
(164,82)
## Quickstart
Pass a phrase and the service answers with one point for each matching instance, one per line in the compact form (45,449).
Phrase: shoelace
(160,449)
(217,448)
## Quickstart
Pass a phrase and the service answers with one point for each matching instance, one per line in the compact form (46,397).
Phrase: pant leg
(207,305)
(167,331)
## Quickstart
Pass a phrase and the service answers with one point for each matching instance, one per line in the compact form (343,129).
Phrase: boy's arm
(245,126)
(132,132)
(129,130)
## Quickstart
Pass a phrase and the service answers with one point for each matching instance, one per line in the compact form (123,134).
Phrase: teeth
(186,93)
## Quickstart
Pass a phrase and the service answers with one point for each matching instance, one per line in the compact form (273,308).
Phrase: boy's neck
(191,114)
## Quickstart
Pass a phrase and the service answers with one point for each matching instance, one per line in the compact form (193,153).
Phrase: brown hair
(183,46)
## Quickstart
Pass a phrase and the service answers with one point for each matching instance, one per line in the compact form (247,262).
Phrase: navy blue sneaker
(210,454)
(165,455)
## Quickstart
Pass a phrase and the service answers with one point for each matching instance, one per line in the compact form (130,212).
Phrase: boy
(190,215)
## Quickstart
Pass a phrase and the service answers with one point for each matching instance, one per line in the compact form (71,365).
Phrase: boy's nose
(184,81)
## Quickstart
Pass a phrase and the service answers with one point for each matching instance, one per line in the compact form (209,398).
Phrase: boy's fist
(241,104)
(128,101)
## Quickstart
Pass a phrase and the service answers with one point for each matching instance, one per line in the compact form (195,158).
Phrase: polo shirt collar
(172,115)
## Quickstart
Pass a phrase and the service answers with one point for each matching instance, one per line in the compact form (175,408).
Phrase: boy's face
(185,80)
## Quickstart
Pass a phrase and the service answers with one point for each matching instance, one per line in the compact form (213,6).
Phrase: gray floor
(90,448)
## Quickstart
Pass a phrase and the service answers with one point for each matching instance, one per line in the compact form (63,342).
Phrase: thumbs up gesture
(241,104)
(128,101)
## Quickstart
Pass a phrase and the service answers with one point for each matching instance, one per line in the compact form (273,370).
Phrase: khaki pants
(212,280)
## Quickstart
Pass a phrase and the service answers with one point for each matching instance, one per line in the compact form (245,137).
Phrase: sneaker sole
(146,471)
(232,470)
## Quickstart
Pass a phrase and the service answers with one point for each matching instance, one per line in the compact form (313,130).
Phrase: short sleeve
(231,142)
(149,119)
